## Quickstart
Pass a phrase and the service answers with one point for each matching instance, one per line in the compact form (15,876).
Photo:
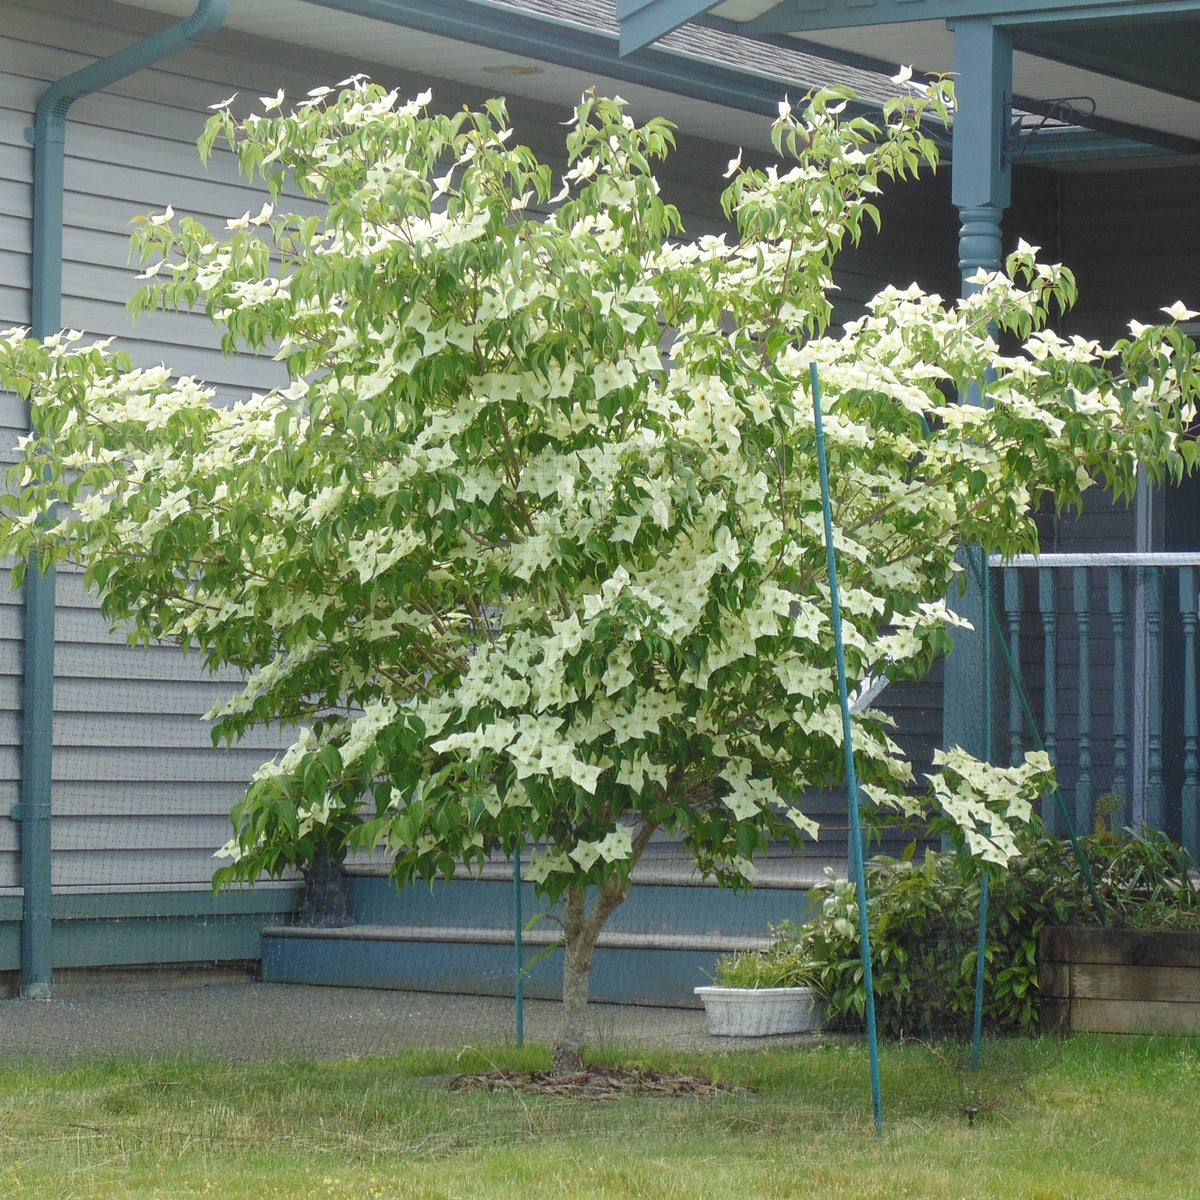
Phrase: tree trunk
(581,928)
(323,902)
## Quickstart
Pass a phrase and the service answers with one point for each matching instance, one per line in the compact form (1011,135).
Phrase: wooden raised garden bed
(1119,980)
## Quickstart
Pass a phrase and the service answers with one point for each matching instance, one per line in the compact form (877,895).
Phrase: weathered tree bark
(581,928)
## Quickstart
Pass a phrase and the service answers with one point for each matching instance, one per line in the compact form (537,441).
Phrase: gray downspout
(49,152)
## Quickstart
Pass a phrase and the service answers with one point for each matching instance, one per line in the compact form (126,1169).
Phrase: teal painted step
(151,928)
(650,969)
(659,945)
(663,900)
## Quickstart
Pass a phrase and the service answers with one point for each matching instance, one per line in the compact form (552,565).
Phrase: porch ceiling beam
(809,16)
(567,44)
(1146,53)
(645,21)
(1063,12)
(1127,139)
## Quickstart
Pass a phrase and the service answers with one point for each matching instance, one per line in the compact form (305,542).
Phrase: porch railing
(1105,648)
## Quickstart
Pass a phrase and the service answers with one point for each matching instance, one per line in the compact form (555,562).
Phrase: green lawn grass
(1088,1117)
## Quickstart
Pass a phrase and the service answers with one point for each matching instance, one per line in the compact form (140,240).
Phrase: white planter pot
(759,1012)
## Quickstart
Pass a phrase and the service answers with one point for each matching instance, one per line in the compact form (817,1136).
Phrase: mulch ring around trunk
(593,1083)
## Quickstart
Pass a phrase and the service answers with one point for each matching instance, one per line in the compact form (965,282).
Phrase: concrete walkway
(247,1021)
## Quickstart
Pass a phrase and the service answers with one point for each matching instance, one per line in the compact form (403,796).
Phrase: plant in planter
(1146,880)
(756,993)
(1138,972)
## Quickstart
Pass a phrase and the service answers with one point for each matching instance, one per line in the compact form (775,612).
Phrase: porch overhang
(542,52)
(567,43)
(645,21)
(1117,65)
(1128,64)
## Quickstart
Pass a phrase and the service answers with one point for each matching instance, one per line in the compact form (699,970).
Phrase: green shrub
(923,921)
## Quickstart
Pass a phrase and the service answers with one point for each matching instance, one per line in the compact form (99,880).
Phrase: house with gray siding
(135,799)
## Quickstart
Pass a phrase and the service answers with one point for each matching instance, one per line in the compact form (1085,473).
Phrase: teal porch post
(980,189)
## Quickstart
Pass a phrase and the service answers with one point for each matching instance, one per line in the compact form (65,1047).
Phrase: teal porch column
(980,190)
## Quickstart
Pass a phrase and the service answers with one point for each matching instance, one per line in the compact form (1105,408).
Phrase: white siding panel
(138,764)
(79,660)
(138,832)
(12,411)
(150,696)
(144,732)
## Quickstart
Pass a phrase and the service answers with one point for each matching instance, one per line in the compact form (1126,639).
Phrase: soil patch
(594,1083)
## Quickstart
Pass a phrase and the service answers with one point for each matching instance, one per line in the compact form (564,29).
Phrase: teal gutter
(49,138)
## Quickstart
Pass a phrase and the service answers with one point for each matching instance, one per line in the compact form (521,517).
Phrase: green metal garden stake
(980,963)
(518,956)
(980,572)
(848,744)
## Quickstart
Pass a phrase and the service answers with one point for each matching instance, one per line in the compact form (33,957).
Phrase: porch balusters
(1116,616)
(1047,608)
(1188,793)
(1135,623)
(1152,581)
(1083,785)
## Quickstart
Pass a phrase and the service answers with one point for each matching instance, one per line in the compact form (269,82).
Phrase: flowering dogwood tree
(530,549)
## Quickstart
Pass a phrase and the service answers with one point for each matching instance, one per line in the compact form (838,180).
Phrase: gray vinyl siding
(140,797)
